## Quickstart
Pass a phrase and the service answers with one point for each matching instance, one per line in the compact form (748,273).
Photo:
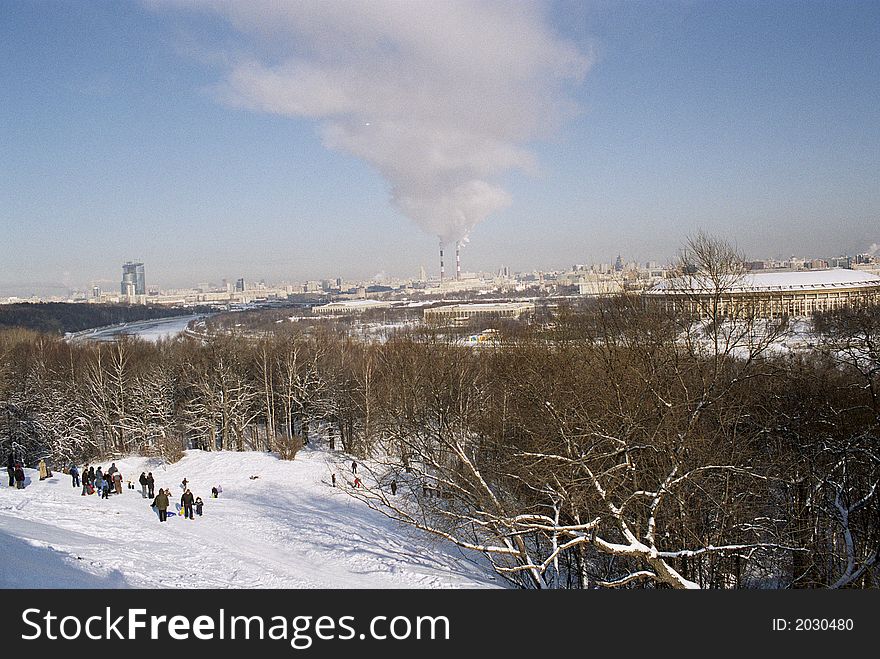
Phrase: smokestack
(457,261)
(442,270)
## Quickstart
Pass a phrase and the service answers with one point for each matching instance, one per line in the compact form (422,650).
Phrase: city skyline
(171,135)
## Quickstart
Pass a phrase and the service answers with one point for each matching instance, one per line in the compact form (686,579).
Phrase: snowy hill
(286,529)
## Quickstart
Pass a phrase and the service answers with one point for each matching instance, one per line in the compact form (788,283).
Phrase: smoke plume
(441,97)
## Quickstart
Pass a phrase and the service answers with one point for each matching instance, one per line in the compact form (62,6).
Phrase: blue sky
(757,121)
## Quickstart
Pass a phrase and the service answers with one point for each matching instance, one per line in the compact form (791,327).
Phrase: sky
(292,141)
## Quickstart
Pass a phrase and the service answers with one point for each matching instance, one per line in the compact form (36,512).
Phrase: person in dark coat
(143,481)
(354,467)
(393,488)
(91,475)
(186,502)
(19,477)
(105,487)
(199,504)
(333,479)
(151,484)
(86,480)
(74,475)
(10,469)
(160,503)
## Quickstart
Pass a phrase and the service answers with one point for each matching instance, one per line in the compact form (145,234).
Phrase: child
(199,504)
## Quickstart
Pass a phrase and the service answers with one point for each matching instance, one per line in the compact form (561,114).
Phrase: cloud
(441,98)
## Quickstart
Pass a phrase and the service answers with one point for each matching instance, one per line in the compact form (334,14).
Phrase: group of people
(15,471)
(188,503)
(96,480)
(148,484)
(357,481)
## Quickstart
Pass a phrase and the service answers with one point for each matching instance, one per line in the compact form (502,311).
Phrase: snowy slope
(286,529)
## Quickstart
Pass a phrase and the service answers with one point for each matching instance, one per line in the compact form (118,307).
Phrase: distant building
(240,285)
(462,314)
(133,281)
(771,294)
(349,307)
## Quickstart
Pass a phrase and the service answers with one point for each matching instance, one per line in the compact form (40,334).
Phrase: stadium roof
(768,282)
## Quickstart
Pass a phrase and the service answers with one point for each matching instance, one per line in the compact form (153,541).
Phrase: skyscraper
(133,281)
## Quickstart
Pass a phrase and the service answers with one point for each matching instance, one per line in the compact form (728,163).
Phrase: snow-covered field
(285,529)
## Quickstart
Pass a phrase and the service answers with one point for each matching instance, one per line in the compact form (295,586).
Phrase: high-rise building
(133,281)
(240,285)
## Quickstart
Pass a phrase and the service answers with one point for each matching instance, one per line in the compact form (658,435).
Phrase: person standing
(354,467)
(105,487)
(333,479)
(199,504)
(186,502)
(143,481)
(117,481)
(161,504)
(74,475)
(393,488)
(10,469)
(112,470)
(19,477)
(86,480)
(151,484)
(44,470)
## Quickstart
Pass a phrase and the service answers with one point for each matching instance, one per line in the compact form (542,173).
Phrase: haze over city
(305,140)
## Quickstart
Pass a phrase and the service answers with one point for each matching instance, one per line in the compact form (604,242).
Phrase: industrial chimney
(442,270)
(457,260)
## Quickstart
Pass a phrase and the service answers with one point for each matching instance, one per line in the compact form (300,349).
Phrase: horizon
(231,140)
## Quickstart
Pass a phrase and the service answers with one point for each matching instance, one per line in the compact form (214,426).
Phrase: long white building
(770,294)
(462,314)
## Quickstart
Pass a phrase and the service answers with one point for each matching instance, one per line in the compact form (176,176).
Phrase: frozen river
(149,330)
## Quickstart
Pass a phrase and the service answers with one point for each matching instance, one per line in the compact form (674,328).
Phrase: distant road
(149,330)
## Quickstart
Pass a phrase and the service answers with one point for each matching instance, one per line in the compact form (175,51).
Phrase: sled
(90,489)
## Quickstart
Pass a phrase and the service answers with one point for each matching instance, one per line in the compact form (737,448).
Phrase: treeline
(623,447)
(61,317)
